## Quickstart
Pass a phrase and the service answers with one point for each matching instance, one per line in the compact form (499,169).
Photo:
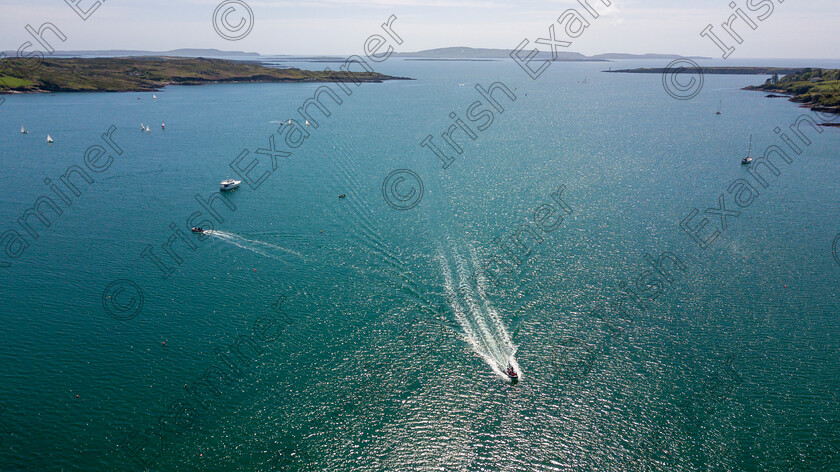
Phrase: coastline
(152,74)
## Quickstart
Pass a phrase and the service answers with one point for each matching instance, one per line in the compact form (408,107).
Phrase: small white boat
(148,130)
(49,139)
(290,122)
(307,122)
(748,159)
(23,131)
(154,97)
(142,127)
(229,184)
(163,125)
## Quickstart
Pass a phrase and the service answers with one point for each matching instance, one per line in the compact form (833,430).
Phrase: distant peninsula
(716,70)
(146,74)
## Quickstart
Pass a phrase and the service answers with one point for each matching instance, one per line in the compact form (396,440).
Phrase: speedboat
(230,184)
(198,230)
(342,196)
(511,373)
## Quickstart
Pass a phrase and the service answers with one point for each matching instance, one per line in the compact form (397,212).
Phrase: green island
(146,74)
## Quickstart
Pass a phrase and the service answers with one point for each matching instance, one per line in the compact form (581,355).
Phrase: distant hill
(481,53)
(620,56)
(133,53)
(452,53)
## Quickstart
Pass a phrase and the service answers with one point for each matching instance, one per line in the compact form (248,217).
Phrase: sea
(663,306)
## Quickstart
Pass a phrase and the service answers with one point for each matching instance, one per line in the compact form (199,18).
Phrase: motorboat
(198,230)
(23,131)
(229,184)
(163,125)
(748,159)
(511,373)
(342,196)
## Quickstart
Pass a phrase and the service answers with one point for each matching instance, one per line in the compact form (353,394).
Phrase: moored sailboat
(748,159)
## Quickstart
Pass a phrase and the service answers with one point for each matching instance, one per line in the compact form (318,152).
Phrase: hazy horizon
(338,27)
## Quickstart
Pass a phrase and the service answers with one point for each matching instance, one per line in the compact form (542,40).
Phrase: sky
(795,29)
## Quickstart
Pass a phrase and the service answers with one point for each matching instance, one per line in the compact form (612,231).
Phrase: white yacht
(748,159)
(229,184)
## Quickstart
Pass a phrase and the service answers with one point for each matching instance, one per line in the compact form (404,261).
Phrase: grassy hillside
(818,89)
(137,74)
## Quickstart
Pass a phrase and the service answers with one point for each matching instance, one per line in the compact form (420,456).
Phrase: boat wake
(259,247)
(484,331)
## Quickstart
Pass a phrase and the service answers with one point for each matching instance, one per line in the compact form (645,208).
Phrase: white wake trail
(483,328)
(259,247)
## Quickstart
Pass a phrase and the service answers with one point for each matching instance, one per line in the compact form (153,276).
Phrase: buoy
(164,343)
(77,396)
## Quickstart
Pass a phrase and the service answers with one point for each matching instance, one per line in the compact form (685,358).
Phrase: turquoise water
(393,357)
